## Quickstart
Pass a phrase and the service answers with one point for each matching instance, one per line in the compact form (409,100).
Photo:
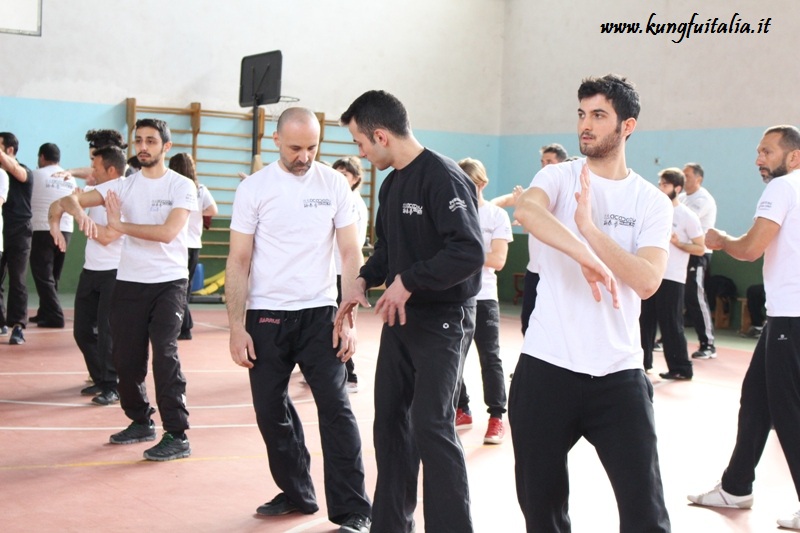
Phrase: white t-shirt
(568,328)
(96,256)
(687,225)
(150,201)
(361,227)
(495,224)
(46,190)
(780,203)
(4,196)
(293,221)
(195,225)
(704,206)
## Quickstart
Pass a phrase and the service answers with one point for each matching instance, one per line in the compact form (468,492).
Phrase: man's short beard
(607,146)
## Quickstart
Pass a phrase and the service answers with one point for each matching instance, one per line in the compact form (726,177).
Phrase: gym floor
(58,472)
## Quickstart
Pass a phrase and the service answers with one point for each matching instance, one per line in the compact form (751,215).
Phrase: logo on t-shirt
(412,209)
(457,203)
(766,205)
(155,205)
(316,202)
(619,220)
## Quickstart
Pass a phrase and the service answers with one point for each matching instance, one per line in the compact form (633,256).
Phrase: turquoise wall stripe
(727,155)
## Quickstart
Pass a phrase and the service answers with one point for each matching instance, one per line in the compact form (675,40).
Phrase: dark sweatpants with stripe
(283,339)
(416,383)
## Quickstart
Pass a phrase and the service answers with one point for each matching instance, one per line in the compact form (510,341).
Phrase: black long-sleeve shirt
(428,231)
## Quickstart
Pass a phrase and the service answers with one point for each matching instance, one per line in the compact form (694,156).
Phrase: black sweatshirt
(428,231)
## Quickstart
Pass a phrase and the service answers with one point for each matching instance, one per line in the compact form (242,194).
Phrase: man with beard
(150,208)
(665,307)
(287,218)
(769,390)
(580,372)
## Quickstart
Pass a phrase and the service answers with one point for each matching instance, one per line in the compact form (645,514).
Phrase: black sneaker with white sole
(706,351)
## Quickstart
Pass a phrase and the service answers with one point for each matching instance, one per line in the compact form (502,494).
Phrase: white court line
(83,372)
(117,428)
(89,404)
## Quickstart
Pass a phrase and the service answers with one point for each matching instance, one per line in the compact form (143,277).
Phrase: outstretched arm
(749,246)
(534,216)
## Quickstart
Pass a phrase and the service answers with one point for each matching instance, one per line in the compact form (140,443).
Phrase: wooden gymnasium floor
(58,472)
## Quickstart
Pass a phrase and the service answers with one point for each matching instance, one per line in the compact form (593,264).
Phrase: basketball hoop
(274,111)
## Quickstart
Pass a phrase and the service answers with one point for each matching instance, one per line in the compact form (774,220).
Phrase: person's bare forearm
(637,272)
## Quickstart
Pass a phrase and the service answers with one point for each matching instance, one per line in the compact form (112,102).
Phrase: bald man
(281,296)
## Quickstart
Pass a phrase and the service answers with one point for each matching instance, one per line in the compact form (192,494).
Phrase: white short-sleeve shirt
(194,234)
(568,328)
(686,224)
(361,228)
(46,190)
(703,205)
(293,221)
(150,201)
(495,224)
(780,203)
(96,256)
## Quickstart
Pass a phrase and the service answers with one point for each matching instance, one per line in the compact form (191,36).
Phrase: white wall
(442,57)
(706,81)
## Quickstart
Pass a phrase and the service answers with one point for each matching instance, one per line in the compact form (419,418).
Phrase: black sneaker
(675,376)
(705,352)
(356,523)
(169,449)
(280,505)
(92,390)
(185,336)
(16,335)
(134,433)
(108,397)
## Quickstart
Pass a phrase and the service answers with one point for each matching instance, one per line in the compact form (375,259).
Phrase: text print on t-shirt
(316,202)
(619,220)
(155,205)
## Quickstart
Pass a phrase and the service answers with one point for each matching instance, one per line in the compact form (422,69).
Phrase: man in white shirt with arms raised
(769,390)
(580,372)
(150,208)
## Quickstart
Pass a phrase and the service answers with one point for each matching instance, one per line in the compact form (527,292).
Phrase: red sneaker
(463,420)
(495,432)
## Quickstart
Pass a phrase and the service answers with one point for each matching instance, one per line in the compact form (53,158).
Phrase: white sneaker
(717,497)
(791,523)
(352,386)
